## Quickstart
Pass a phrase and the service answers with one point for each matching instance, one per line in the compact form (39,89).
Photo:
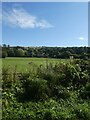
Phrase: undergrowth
(58,91)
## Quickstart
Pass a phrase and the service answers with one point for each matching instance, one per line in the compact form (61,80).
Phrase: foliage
(47,52)
(59,91)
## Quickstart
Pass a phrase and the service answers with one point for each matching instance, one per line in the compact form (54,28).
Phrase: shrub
(34,89)
(48,115)
(54,92)
(82,111)
(85,94)
(61,92)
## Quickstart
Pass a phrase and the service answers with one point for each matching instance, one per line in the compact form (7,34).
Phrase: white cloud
(43,24)
(81,38)
(23,19)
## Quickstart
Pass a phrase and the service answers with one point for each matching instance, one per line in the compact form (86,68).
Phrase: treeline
(50,52)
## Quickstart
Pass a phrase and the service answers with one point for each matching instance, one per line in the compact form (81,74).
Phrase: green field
(24,64)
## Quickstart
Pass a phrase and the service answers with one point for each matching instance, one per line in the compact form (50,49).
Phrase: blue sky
(45,24)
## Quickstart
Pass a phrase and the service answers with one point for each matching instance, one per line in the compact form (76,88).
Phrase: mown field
(24,64)
(45,89)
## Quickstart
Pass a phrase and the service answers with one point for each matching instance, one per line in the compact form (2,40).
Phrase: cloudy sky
(45,24)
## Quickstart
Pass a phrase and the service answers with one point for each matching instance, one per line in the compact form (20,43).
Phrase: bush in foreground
(54,92)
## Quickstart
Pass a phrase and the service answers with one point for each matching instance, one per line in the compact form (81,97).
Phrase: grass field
(24,64)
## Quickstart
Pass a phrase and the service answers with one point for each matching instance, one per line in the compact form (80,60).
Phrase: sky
(45,0)
(63,24)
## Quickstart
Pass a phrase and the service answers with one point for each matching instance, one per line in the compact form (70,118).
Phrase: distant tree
(11,52)
(50,52)
(65,54)
(4,45)
(19,53)
(4,54)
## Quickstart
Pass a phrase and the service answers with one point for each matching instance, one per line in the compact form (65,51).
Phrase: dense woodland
(46,52)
